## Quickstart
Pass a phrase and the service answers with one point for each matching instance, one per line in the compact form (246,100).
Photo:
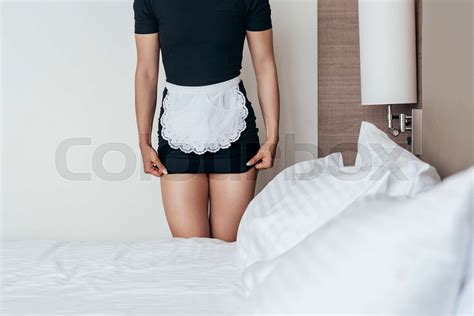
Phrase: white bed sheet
(180,276)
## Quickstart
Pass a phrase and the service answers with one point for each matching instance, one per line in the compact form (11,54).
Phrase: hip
(209,127)
(184,154)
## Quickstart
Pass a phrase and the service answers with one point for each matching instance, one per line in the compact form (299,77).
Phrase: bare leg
(230,194)
(185,199)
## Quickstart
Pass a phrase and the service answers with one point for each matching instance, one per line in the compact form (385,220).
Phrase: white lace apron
(203,119)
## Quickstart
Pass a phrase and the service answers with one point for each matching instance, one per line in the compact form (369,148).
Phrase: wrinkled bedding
(179,276)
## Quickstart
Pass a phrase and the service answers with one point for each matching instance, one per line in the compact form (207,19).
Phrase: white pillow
(307,195)
(384,255)
(466,298)
(408,174)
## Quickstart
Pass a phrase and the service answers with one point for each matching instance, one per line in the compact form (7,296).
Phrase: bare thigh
(230,195)
(185,199)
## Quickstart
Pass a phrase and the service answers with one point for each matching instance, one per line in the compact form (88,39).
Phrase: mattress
(179,276)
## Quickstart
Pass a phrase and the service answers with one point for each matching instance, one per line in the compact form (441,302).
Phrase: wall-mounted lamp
(387,30)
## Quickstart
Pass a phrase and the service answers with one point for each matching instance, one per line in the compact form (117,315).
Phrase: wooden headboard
(339,106)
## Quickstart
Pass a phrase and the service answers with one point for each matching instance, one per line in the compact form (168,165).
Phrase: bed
(382,237)
(167,277)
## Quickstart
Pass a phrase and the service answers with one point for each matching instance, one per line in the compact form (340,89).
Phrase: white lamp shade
(387,31)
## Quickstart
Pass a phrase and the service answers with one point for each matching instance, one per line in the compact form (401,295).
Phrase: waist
(213,88)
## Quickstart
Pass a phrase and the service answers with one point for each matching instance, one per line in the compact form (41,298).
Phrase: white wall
(67,73)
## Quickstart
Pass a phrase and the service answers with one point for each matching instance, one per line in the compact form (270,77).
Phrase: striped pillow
(306,196)
(382,255)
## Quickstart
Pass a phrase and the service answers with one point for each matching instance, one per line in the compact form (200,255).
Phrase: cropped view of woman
(209,152)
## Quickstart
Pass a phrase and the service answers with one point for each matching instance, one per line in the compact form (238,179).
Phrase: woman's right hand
(151,162)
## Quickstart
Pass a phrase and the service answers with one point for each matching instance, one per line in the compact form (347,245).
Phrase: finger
(156,164)
(255,159)
(163,171)
(153,172)
(153,169)
(265,163)
(156,173)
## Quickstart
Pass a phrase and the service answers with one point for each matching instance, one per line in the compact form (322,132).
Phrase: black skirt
(229,160)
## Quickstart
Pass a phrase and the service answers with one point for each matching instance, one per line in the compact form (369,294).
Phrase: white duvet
(156,277)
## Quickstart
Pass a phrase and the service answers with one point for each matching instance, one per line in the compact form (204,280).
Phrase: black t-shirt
(201,40)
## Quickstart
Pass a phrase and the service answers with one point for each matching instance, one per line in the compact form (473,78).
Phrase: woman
(209,151)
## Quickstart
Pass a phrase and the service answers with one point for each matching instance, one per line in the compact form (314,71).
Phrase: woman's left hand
(265,156)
